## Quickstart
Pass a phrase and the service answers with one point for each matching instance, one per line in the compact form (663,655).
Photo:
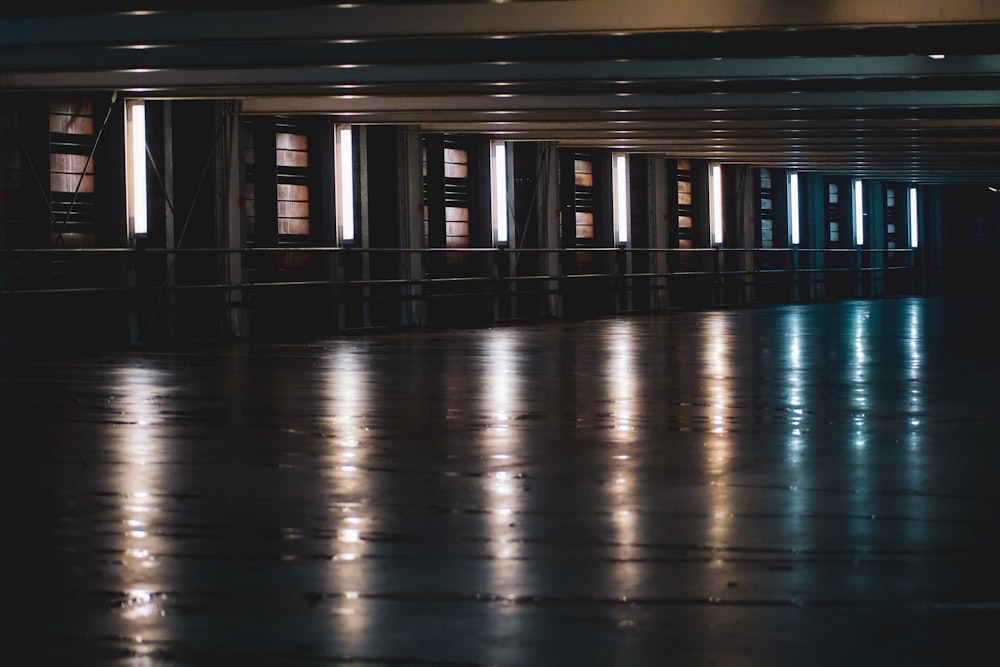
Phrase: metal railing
(151,280)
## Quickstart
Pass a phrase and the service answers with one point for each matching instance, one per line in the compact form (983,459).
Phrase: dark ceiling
(847,86)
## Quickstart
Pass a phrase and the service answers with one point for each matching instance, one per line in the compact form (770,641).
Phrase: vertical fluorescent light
(859,212)
(914,217)
(793,206)
(137,208)
(344,155)
(715,203)
(499,169)
(620,194)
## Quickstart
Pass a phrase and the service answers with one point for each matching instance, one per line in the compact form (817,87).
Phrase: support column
(326,217)
(361,235)
(411,233)
(875,238)
(170,243)
(548,188)
(3,232)
(932,236)
(231,221)
(747,203)
(658,203)
(813,229)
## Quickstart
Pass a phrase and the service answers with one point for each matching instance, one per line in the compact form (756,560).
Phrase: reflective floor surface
(789,485)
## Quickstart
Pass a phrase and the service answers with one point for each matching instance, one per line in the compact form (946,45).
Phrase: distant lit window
(685,207)
(456,207)
(891,218)
(766,210)
(833,212)
(292,162)
(583,173)
(71,172)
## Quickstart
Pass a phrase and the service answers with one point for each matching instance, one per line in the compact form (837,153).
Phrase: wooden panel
(583,173)
(584,225)
(456,214)
(71,117)
(294,226)
(290,141)
(65,170)
(291,158)
(453,230)
(289,192)
(293,209)
(291,150)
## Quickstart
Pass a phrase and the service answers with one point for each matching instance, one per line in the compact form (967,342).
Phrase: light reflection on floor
(742,486)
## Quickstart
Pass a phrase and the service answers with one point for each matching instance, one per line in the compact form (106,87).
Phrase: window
(583,179)
(456,206)
(448,171)
(891,218)
(249,199)
(292,163)
(833,212)
(685,208)
(71,172)
(766,210)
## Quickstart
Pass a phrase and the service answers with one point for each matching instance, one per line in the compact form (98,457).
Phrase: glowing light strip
(499,168)
(344,155)
(793,206)
(914,217)
(715,206)
(859,212)
(137,167)
(621,208)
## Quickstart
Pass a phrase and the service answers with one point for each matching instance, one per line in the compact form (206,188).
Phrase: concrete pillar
(658,203)
(3,232)
(548,188)
(168,218)
(931,202)
(813,235)
(875,238)
(411,233)
(745,225)
(361,232)
(230,218)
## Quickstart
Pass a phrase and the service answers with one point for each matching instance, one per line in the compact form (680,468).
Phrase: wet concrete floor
(788,485)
